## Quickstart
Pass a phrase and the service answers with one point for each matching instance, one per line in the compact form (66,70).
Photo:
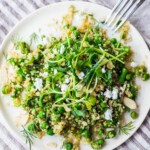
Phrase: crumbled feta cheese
(108,114)
(38,84)
(55,71)
(133,64)
(62,49)
(108,93)
(103,70)
(115,93)
(79,86)
(64,87)
(52,56)
(55,51)
(67,80)
(45,74)
(80,75)
(46,66)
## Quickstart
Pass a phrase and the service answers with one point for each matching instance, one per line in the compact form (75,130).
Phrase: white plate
(40,19)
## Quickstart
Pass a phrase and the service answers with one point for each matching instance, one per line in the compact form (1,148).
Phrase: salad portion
(79,85)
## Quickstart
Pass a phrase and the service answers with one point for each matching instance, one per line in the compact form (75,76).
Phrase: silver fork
(121,12)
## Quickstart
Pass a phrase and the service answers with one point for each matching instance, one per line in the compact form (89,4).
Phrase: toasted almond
(129,103)
(110,65)
(51,145)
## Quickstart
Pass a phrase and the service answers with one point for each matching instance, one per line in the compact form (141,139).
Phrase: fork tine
(116,14)
(134,7)
(122,14)
(114,9)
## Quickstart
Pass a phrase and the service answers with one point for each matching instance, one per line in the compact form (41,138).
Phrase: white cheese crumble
(55,51)
(108,114)
(46,66)
(115,93)
(52,56)
(67,80)
(133,64)
(103,70)
(108,93)
(64,87)
(38,84)
(44,74)
(62,49)
(55,71)
(80,75)
(79,86)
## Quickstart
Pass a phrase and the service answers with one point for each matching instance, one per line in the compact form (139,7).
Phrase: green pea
(44,125)
(110,134)
(12,61)
(61,110)
(23,47)
(107,124)
(86,134)
(58,57)
(100,131)
(41,114)
(57,96)
(127,49)
(103,104)
(123,75)
(78,106)
(101,97)
(134,115)
(101,141)
(58,118)
(63,79)
(48,79)
(6,89)
(92,100)
(72,28)
(145,76)
(30,127)
(50,132)
(128,77)
(40,46)
(19,78)
(76,33)
(68,145)
(97,144)
(113,40)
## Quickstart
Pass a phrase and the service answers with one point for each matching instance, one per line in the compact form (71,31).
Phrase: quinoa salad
(78,86)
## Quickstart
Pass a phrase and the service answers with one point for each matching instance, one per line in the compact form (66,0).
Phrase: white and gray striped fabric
(12,11)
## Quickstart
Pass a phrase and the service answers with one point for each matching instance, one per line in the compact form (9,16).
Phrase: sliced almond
(129,103)
(110,65)
(51,145)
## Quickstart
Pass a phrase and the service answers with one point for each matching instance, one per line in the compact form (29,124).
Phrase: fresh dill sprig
(15,39)
(126,128)
(28,136)
(33,38)
(5,55)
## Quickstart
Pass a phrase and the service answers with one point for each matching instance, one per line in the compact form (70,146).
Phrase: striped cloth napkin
(12,11)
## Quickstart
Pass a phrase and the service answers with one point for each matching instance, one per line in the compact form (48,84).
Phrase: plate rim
(9,34)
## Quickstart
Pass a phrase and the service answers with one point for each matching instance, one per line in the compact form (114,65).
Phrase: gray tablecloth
(11,11)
